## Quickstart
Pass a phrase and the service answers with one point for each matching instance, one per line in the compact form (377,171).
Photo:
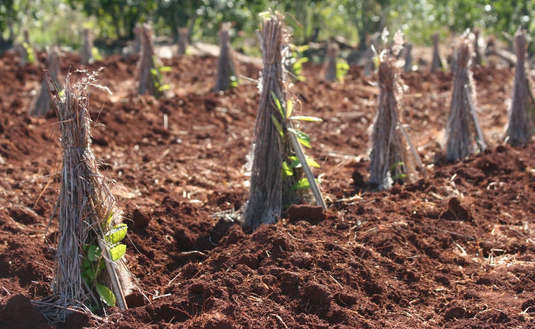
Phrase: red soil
(454,249)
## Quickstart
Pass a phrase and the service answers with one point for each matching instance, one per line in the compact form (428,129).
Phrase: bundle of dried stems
(226,71)
(330,65)
(389,160)
(85,205)
(436,62)
(87,47)
(41,104)
(520,124)
(462,121)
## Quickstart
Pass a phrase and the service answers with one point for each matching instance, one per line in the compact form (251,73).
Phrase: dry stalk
(182,40)
(389,160)
(41,104)
(87,48)
(519,126)
(85,204)
(462,120)
(330,65)
(226,72)
(436,63)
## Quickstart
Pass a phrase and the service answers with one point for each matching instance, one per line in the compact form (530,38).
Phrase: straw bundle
(87,48)
(147,65)
(388,156)
(226,72)
(436,62)
(462,120)
(330,65)
(85,205)
(41,105)
(182,40)
(519,126)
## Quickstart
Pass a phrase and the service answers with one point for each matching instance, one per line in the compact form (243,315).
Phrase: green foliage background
(60,21)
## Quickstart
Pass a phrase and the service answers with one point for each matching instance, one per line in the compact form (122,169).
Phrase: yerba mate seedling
(296,61)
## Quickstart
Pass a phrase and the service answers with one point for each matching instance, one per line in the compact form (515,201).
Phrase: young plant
(341,69)
(296,61)
(276,178)
(226,72)
(25,50)
(520,124)
(462,120)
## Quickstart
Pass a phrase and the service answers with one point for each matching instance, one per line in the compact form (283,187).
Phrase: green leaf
(286,170)
(93,253)
(278,104)
(301,184)
(108,220)
(277,125)
(295,163)
(164,87)
(116,234)
(106,294)
(117,251)
(154,72)
(164,69)
(289,108)
(306,118)
(303,138)
(312,163)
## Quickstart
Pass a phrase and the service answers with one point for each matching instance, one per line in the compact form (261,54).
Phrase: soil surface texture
(452,248)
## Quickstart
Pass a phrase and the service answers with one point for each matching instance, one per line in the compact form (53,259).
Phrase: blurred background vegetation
(61,21)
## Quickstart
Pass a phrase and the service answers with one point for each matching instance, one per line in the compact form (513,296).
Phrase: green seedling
(94,261)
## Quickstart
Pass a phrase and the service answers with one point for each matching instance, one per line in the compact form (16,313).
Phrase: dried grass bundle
(226,71)
(407,49)
(148,75)
(85,206)
(330,65)
(436,62)
(270,190)
(87,48)
(41,104)
(389,159)
(182,40)
(478,59)
(137,39)
(23,54)
(462,120)
(520,125)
